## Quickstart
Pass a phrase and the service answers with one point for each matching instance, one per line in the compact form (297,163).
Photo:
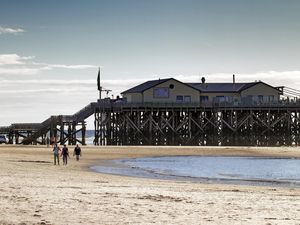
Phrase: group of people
(64,153)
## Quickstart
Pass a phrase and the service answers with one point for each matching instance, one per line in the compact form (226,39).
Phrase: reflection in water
(249,170)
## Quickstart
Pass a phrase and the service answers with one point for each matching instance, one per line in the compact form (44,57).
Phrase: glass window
(271,98)
(179,98)
(161,92)
(187,98)
(203,98)
(221,98)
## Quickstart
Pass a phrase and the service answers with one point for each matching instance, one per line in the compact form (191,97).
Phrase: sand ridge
(34,191)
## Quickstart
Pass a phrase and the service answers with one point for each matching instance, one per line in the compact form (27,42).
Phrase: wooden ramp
(56,129)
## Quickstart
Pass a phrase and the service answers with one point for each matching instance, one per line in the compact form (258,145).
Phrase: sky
(50,50)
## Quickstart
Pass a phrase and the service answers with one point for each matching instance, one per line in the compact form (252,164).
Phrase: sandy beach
(34,191)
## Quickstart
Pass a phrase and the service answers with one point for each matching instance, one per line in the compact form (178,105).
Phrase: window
(179,98)
(203,98)
(220,98)
(271,98)
(187,98)
(161,92)
(260,98)
(171,86)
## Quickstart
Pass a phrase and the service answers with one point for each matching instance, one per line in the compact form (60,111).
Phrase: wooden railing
(119,105)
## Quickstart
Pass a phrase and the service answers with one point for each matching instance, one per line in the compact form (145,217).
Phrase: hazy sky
(50,50)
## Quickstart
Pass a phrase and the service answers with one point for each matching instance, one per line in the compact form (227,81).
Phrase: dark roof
(204,88)
(222,87)
(144,86)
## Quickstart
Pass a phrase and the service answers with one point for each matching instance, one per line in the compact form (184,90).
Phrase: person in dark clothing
(65,154)
(77,152)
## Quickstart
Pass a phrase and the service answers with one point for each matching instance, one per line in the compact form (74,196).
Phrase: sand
(34,191)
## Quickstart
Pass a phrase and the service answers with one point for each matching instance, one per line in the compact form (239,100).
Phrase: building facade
(174,91)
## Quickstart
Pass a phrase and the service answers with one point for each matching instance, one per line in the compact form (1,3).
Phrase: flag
(98,80)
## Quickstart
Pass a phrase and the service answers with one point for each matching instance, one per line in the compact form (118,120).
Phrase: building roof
(202,87)
(144,86)
(152,83)
(222,87)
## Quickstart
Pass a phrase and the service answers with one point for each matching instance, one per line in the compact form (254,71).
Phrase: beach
(34,191)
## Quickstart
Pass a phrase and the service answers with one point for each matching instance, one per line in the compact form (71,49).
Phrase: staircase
(53,121)
(84,113)
(43,129)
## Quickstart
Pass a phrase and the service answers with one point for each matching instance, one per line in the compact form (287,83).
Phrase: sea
(211,169)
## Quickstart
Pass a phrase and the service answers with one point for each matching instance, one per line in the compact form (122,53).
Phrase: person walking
(77,152)
(56,151)
(65,154)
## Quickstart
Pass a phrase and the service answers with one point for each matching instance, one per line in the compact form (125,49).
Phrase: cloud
(13,64)
(71,66)
(46,91)
(7,30)
(19,71)
(13,59)
(48,82)
(274,78)
(46,66)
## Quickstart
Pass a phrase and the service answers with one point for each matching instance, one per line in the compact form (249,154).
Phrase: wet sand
(34,191)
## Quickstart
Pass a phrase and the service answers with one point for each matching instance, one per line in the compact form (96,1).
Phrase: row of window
(163,92)
(203,99)
(188,98)
(183,98)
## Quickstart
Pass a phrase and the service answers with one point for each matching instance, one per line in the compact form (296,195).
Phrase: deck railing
(104,104)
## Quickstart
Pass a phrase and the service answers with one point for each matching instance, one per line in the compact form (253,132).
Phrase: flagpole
(100,91)
(99,83)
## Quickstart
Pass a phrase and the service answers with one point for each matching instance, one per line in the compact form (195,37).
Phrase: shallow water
(239,170)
